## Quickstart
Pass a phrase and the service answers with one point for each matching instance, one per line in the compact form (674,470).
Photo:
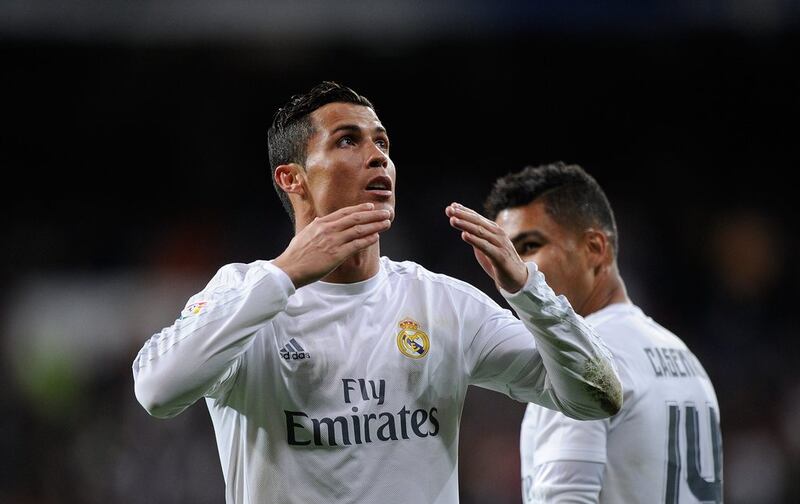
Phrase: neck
(609,289)
(358,267)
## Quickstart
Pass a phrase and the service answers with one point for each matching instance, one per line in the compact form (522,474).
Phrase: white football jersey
(664,446)
(353,392)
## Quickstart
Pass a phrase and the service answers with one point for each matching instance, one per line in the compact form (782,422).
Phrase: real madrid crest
(411,341)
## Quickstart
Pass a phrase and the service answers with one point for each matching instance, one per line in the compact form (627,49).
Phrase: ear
(598,249)
(291,178)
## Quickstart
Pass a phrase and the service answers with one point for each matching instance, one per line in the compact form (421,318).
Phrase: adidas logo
(294,351)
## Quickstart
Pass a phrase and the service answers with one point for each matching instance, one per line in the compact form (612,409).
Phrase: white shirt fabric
(319,395)
(664,446)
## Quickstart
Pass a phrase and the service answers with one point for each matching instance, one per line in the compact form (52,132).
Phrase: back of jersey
(665,445)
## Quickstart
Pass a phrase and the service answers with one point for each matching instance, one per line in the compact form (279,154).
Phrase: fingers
(358,231)
(489,249)
(323,244)
(350,210)
(351,229)
(464,213)
(493,249)
(477,230)
(468,220)
(360,217)
(338,214)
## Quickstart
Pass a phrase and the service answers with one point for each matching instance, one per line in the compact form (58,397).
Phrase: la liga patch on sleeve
(193,309)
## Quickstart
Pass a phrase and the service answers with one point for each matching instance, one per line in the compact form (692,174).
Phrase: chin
(385,205)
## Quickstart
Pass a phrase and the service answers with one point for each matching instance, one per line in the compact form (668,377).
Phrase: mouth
(380,186)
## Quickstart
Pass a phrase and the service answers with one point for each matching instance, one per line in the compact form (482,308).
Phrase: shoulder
(410,272)
(234,271)
(639,343)
(626,330)
(619,325)
(235,274)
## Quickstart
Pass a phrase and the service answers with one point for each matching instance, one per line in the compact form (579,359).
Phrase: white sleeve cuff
(283,280)
(536,295)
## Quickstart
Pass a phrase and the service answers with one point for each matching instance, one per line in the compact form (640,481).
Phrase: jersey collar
(350,289)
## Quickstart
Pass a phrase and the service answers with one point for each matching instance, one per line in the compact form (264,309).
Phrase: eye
(345,140)
(382,144)
(528,247)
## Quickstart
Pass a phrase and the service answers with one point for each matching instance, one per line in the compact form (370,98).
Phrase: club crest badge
(411,340)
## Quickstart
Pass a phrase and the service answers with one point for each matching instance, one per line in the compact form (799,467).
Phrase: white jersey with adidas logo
(664,447)
(353,392)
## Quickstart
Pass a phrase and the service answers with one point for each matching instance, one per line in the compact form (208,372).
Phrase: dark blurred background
(133,148)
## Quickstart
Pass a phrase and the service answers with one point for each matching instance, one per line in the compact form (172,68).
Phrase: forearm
(189,359)
(580,370)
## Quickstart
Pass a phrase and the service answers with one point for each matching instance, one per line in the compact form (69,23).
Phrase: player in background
(664,446)
(335,375)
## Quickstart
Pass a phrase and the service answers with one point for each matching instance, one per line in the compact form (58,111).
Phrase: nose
(378,159)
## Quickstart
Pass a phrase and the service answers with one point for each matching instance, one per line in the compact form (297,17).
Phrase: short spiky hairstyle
(291,128)
(571,196)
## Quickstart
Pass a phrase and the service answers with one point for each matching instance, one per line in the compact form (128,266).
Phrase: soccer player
(664,446)
(335,375)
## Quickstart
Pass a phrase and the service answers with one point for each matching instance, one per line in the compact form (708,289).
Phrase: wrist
(518,280)
(286,266)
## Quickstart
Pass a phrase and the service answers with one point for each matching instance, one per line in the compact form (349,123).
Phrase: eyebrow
(354,128)
(536,235)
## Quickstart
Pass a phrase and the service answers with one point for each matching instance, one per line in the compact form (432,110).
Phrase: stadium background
(133,148)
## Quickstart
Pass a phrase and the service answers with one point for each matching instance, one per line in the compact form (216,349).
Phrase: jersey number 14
(704,490)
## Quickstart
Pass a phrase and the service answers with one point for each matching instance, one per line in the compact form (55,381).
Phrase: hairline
(546,199)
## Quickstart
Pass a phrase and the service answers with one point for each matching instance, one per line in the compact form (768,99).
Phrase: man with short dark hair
(664,446)
(335,375)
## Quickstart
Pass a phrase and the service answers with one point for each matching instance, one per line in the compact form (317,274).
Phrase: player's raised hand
(326,242)
(492,247)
